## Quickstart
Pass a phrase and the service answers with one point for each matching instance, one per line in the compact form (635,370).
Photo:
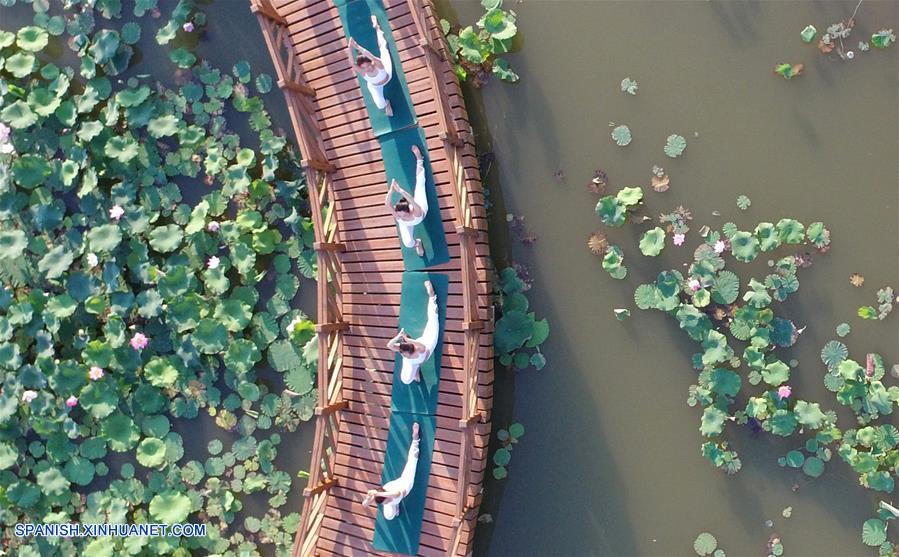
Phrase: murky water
(610,463)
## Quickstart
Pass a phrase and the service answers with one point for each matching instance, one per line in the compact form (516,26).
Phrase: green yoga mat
(402,534)
(356,18)
(399,164)
(419,397)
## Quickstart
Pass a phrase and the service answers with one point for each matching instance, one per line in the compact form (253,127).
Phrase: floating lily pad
(675,145)
(705,544)
(621,135)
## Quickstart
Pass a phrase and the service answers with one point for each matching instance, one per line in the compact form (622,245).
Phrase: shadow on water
(555,439)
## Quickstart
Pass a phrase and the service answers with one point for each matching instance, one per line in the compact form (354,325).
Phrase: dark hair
(362,59)
(379,499)
(403,206)
(407,347)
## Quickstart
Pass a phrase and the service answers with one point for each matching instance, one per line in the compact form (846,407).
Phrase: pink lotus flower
(213,262)
(189,26)
(139,341)
(72,401)
(679,239)
(213,226)
(28,396)
(784,391)
(116,212)
(694,284)
(96,373)
(720,246)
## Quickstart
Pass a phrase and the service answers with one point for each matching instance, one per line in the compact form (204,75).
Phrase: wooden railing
(438,62)
(330,323)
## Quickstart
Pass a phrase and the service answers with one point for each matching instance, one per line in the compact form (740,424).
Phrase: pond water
(610,463)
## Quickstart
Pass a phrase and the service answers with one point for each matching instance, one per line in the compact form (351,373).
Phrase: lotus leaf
(705,544)
(621,135)
(834,353)
(744,246)
(183,58)
(513,329)
(263,83)
(151,452)
(790,231)
(782,422)
(725,287)
(725,382)
(502,70)
(8,455)
(712,421)
(170,507)
(613,263)
(883,39)
(611,211)
(628,85)
(652,242)
(646,296)
(163,126)
(743,202)
(131,32)
(675,145)
(874,532)
(630,197)
(120,432)
(716,348)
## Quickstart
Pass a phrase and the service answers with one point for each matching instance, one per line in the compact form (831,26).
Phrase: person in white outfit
(377,71)
(410,210)
(416,351)
(393,492)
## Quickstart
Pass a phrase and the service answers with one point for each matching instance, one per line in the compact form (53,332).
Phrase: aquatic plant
(740,335)
(517,330)
(789,71)
(621,135)
(705,544)
(743,202)
(629,86)
(475,51)
(808,34)
(124,308)
(675,145)
(503,454)
(598,243)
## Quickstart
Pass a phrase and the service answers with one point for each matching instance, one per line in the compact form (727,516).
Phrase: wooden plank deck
(370,275)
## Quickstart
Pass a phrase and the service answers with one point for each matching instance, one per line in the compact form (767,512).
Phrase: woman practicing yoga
(375,70)
(415,351)
(410,210)
(394,491)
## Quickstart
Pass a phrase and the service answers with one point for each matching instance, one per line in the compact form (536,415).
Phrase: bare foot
(416,151)
(419,249)
(429,287)
(388,110)
(415,430)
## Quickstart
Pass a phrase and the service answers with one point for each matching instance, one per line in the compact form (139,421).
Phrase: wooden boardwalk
(360,272)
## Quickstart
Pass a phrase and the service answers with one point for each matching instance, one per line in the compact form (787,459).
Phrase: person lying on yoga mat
(415,351)
(410,210)
(394,491)
(375,70)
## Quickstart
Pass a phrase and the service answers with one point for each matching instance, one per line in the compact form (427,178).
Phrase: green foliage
(106,266)
(675,145)
(621,135)
(517,330)
(503,454)
(475,49)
